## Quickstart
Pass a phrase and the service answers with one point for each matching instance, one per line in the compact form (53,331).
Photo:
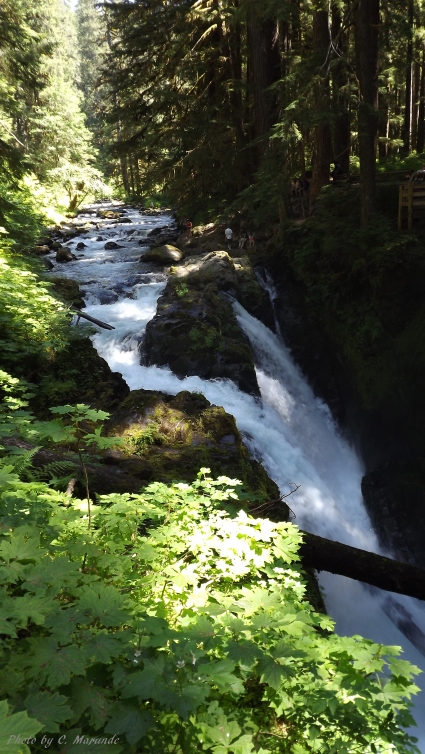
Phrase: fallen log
(91,319)
(385,573)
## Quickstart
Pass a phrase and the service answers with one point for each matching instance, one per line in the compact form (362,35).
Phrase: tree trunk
(415,101)
(342,131)
(377,570)
(322,132)
(124,174)
(420,141)
(265,70)
(366,40)
(407,128)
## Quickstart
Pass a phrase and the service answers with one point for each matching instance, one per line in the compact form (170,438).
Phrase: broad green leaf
(15,728)
(49,709)
(54,663)
(103,647)
(60,572)
(130,720)
(271,672)
(103,603)
(21,546)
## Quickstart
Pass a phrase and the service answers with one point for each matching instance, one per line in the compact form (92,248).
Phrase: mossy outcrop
(195,332)
(178,435)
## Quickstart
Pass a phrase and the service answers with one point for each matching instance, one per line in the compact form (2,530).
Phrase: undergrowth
(172,621)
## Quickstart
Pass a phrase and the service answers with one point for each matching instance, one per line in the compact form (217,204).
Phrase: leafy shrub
(176,623)
(33,323)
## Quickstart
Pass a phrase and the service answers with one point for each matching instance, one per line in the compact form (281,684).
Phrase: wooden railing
(411,203)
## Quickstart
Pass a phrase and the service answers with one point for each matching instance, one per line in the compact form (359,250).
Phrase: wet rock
(48,264)
(80,245)
(154,232)
(100,238)
(112,245)
(195,332)
(107,214)
(68,290)
(107,297)
(124,220)
(41,250)
(44,241)
(80,375)
(233,275)
(163,255)
(64,255)
(393,495)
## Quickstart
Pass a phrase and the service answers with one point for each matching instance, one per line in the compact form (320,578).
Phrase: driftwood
(385,573)
(91,319)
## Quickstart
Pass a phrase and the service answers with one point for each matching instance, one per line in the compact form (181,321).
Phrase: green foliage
(177,623)
(33,323)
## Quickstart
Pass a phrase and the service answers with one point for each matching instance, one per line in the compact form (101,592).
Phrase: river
(289,430)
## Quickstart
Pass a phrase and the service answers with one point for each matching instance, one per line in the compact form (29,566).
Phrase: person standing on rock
(251,240)
(228,235)
(242,239)
(189,228)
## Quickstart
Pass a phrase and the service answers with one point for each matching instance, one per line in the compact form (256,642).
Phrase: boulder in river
(164,255)
(195,332)
(41,250)
(80,245)
(112,245)
(235,275)
(64,255)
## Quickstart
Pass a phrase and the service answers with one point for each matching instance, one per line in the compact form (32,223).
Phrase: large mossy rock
(234,275)
(164,255)
(77,374)
(195,332)
(178,435)
(68,290)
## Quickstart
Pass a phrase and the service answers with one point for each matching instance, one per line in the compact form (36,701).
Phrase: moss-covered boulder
(234,275)
(178,435)
(195,332)
(68,291)
(77,374)
(164,255)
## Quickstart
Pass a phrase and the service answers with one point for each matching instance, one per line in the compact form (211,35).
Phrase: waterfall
(289,430)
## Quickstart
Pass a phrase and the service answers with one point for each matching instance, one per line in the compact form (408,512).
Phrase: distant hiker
(251,240)
(337,171)
(189,228)
(243,238)
(228,235)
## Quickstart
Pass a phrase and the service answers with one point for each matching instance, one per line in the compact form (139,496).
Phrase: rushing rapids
(289,430)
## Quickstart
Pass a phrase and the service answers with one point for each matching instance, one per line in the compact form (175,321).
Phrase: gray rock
(164,255)
(112,245)
(64,255)
(80,245)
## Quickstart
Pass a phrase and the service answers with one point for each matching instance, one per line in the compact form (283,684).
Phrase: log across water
(385,573)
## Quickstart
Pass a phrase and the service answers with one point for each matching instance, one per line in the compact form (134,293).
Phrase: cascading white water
(288,430)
